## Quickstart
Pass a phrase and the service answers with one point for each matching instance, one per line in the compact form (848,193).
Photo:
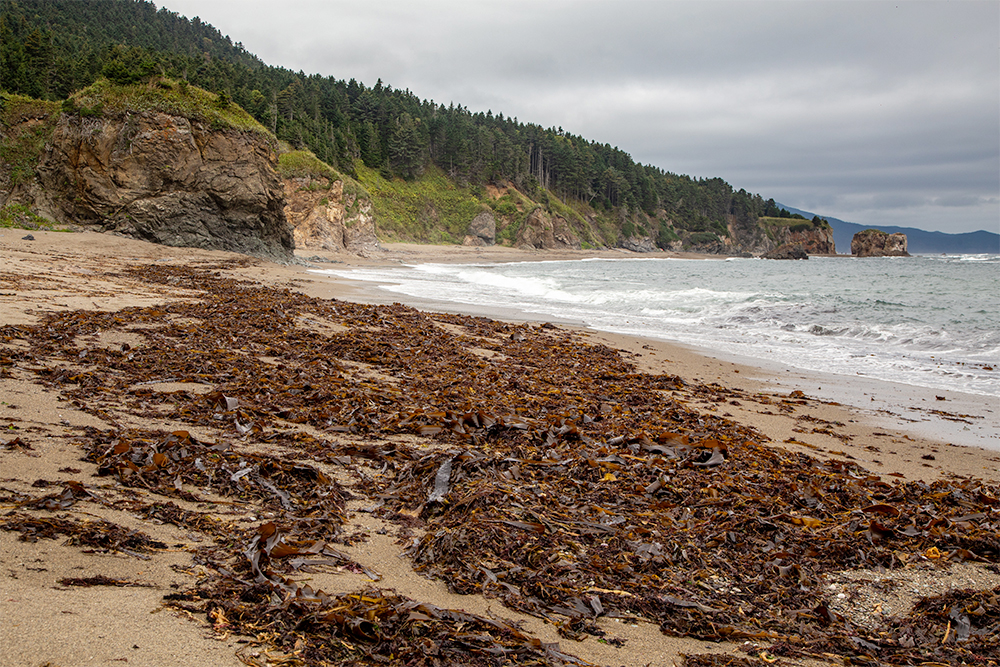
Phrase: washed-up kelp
(556,478)
(371,627)
(99,535)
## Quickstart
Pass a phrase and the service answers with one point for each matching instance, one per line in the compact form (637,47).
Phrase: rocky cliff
(167,179)
(876,243)
(326,217)
(815,237)
(542,231)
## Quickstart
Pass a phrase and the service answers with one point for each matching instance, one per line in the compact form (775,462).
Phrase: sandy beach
(116,357)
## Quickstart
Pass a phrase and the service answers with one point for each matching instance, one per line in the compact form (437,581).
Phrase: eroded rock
(170,180)
(876,243)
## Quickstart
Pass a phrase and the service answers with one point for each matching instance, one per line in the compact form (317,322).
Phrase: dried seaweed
(98,535)
(554,478)
(102,580)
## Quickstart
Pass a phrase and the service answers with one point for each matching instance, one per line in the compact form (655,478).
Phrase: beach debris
(543,471)
(99,535)
(102,580)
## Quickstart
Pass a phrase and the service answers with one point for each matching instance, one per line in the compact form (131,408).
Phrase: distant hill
(919,241)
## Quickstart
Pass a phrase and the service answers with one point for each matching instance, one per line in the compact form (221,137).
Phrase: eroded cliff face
(169,180)
(544,232)
(876,243)
(816,241)
(757,238)
(324,217)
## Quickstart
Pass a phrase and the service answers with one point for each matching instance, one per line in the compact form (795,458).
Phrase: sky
(880,113)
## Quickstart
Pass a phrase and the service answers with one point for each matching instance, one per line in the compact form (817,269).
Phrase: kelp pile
(542,471)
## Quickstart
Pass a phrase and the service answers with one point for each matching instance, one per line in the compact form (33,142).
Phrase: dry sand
(43,622)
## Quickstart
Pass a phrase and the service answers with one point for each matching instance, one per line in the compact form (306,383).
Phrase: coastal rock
(482,230)
(787,251)
(639,244)
(876,243)
(815,241)
(325,217)
(541,232)
(167,179)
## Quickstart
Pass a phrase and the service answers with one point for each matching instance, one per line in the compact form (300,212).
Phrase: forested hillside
(50,48)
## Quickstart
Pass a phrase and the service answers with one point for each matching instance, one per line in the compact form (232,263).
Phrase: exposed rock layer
(324,217)
(787,251)
(543,232)
(876,243)
(482,230)
(169,180)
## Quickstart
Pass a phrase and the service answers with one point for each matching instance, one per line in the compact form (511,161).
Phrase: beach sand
(45,622)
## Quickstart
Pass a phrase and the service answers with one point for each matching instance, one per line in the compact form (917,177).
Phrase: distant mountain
(919,242)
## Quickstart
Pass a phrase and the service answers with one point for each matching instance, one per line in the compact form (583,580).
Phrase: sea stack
(876,243)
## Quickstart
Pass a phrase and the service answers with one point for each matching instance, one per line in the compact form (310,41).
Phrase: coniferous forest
(51,48)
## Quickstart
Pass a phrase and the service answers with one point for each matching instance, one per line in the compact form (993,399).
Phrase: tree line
(51,48)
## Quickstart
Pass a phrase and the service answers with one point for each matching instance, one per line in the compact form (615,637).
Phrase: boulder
(787,251)
(482,230)
(876,243)
(167,179)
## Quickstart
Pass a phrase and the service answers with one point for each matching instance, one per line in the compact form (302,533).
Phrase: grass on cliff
(304,164)
(794,224)
(25,126)
(163,95)
(19,216)
(429,209)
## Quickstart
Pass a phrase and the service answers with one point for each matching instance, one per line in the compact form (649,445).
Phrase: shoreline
(952,418)
(53,414)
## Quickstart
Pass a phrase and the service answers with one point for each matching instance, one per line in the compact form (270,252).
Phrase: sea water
(929,321)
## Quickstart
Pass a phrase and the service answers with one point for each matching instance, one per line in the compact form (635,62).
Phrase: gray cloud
(874,112)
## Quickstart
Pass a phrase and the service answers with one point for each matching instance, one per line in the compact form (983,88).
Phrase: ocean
(927,321)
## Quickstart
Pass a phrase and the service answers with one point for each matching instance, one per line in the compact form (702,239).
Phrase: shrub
(19,216)
(703,238)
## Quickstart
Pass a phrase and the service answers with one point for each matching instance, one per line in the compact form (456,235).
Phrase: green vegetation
(19,216)
(51,48)
(795,223)
(25,125)
(304,164)
(703,238)
(431,208)
(109,99)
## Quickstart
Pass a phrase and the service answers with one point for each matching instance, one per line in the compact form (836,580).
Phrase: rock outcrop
(876,243)
(639,244)
(482,230)
(815,241)
(541,232)
(324,217)
(787,251)
(167,179)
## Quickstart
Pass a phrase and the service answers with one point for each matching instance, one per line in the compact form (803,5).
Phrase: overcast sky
(872,112)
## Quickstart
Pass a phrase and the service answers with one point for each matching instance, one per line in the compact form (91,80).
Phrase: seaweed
(544,470)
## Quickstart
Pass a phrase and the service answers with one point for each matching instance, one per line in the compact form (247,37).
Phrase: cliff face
(324,217)
(167,179)
(876,243)
(815,241)
(768,234)
(541,231)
